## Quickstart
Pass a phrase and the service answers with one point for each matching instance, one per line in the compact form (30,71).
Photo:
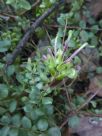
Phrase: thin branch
(49,38)
(36,3)
(73,27)
(67,94)
(64,123)
(7,15)
(90,114)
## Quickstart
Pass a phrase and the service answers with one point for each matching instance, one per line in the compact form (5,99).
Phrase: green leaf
(12,106)
(70,34)
(73,121)
(79,100)
(19,78)
(28,76)
(94,104)
(34,95)
(28,108)
(47,100)
(4,45)
(49,109)
(39,85)
(3,91)
(26,122)
(9,1)
(1,65)
(39,112)
(43,76)
(82,24)
(91,35)
(94,41)
(10,70)
(54,131)
(52,1)
(34,128)
(8,57)
(42,124)
(48,91)
(72,73)
(95,29)
(25,4)
(99,70)
(61,76)
(21,4)
(29,65)
(61,19)
(2,110)
(98,111)
(91,21)
(4,131)
(77,60)
(16,120)
(5,119)
(3,49)
(72,43)
(60,32)
(84,36)
(33,115)
(76,5)
(77,17)
(13,132)
(22,133)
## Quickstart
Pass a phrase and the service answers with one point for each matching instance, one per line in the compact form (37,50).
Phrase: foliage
(21,4)
(28,87)
(32,95)
(9,39)
(73,121)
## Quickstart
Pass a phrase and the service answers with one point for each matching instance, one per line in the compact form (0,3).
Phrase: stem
(75,53)
(65,31)
(55,47)
(67,94)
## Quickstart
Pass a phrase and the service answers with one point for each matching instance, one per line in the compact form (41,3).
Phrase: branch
(27,35)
